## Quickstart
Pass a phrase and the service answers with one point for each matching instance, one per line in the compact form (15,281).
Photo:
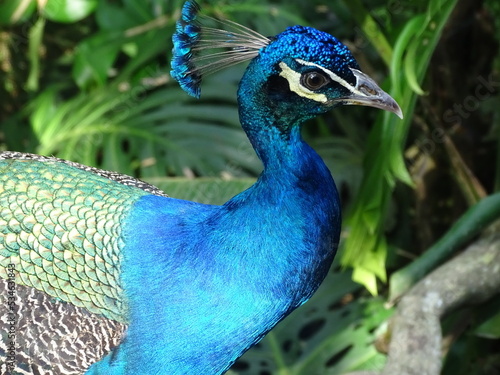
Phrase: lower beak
(368,93)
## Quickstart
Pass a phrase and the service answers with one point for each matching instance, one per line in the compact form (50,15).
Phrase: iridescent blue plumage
(197,284)
(189,64)
(324,49)
(187,35)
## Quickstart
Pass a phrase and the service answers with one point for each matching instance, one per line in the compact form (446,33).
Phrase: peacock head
(302,68)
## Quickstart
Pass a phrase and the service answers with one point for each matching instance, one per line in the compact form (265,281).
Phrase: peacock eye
(313,80)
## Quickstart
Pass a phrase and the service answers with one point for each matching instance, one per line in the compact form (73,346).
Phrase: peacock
(102,273)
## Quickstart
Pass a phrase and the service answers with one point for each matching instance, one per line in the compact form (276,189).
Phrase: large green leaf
(94,58)
(164,133)
(68,11)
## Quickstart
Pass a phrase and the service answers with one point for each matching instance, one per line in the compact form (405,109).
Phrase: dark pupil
(314,80)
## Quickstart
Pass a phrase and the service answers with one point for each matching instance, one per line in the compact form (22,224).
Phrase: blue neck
(268,121)
(295,196)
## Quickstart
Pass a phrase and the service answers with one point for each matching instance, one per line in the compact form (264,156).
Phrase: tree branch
(471,277)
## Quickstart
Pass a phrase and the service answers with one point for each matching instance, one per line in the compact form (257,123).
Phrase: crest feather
(200,50)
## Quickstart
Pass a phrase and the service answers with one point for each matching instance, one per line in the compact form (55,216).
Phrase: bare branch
(471,277)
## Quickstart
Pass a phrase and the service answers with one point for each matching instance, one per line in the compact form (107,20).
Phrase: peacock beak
(368,93)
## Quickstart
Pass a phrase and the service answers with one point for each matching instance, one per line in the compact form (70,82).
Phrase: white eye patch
(333,77)
(294,79)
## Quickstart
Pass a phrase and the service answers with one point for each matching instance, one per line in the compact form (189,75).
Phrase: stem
(277,355)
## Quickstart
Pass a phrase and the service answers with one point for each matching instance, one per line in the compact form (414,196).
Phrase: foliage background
(88,81)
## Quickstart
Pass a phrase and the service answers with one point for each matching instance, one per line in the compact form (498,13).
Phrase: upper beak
(368,93)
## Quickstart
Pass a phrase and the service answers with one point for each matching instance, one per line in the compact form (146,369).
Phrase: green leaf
(366,278)
(94,57)
(68,11)
(411,73)
(490,329)
(35,42)
(43,110)
(14,11)
(112,16)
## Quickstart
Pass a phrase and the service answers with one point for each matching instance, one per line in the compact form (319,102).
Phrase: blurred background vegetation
(89,81)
